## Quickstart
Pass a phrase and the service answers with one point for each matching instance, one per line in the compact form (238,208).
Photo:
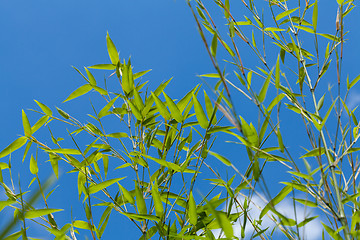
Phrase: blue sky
(41,40)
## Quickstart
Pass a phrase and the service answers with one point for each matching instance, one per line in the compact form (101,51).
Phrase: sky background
(41,40)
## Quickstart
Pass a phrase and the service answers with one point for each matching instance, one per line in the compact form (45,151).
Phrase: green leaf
(103,66)
(113,53)
(135,111)
(353,82)
(275,101)
(140,74)
(64,151)
(277,74)
(159,209)
(200,114)
(105,110)
(192,210)
(18,143)
(6,203)
(140,201)
(78,92)
(161,107)
(26,125)
(315,15)
(127,195)
(175,112)
(94,188)
(63,113)
(278,198)
(33,165)
(44,108)
(40,212)
(90,77)
(118,135)
(285,13)
(39,123)
(214,45)
(274,29)
(221,158)
(314,152)
(265,87)
(81,224)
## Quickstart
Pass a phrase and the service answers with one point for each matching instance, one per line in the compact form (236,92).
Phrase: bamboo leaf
(161,107)
(127,195)
(105,110)
(315,15)
(159,209)
(265,87)
(90,77)
(285,13)
(353,82)
(18,143)
(140,201)
(221,158)
(315,152)
(94,188)
(103,66)
(44,108)
(40,212)
(26,124)
(277,199)
(200,114)
(192,210)
(175,112)
(33,165)
(214,42)
(64,151)
(78,92)
(113,53)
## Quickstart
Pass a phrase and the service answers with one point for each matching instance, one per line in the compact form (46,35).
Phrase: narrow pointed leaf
(18,143)
(78,92)
(113,54)
(40,212)
(200,114)
(100,186)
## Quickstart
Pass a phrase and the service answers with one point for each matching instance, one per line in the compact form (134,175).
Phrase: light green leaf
(81,224)
(277,74)
(314,152)
(118,135)
(200,114)
(285,13)
(90,77)
(315,15)
(159,209)
(278,198)
(33,165)
(103,66)
(104,111)
(64,151)
(214,42)
(175,112)
(113,54)
(78,92)
(44,108)
(94,188)
(353,82)
(140,201)
(40,212)
(127,195)
(221,158)
(265,87)
(18,143)
(26,125)
(192,210)
(161,107)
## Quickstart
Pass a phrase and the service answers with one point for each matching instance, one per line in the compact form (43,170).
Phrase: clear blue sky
(41,40)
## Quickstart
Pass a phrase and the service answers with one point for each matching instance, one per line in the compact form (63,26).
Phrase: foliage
(161,144)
